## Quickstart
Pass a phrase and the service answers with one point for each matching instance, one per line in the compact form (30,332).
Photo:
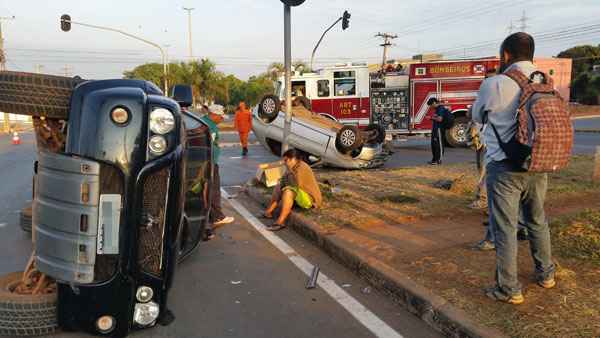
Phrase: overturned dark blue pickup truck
(113,213)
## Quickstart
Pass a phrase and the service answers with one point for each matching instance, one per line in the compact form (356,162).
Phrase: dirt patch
(402,218)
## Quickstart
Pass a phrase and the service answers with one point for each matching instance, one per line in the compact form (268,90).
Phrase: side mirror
(183,95)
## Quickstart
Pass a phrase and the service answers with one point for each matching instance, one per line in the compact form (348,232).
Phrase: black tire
(456,136)
(302,101)
(268,108)
(348,139)
(25,219)
(274,147)
(36,94)
(25,315)
(377,133)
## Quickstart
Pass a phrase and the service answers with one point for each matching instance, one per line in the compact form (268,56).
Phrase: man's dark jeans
(508,191)
(216,213)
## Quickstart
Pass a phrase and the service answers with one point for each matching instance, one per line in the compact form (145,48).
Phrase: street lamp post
(66,26)
(345,18)
(287,37)
(189,10)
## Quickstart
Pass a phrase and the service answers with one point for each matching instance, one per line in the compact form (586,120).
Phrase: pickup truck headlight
(145,314)
(157,145)
(162,121)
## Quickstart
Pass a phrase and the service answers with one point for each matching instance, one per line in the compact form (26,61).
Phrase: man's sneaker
(224,220)
(497,295)
(547,283)
(434,162)
(485,245)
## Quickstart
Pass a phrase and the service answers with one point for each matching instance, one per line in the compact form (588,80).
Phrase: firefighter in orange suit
(243,124)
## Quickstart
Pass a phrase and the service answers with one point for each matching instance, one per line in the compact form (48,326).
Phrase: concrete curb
(434,310)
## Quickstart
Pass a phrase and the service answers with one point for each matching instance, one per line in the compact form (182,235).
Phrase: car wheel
(268,108)
(36,94)
(302,101)
(274,146)
(25,314)
(376,133)
(456,136)
(348,138)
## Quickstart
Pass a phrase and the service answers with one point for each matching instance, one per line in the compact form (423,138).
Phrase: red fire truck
(349,94)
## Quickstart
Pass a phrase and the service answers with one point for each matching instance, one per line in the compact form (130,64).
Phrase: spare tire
(377,133)
(302,101)
(268,108)
(25,315)
(36,94)
(348,139)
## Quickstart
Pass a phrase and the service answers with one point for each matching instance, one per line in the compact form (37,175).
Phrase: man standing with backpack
(518,105)
(442,119)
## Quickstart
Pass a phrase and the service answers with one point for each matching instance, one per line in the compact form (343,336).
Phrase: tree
(585,84)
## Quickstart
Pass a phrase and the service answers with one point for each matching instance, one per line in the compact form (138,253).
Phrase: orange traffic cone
(16,139)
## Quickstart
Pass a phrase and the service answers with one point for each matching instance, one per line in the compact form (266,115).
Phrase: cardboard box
(270,173)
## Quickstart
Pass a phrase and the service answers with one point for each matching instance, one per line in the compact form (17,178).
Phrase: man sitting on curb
(298,186)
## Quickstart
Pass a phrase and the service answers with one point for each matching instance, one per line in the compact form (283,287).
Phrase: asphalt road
(588,123)
(238,285)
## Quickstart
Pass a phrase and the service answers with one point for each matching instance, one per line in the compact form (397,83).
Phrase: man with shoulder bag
(529,134)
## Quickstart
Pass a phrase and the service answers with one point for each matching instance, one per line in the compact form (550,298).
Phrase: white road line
(377,326)
(2,225)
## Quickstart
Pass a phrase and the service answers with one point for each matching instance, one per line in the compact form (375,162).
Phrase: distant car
(320,139)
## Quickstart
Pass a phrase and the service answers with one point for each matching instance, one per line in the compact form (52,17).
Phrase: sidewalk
(392,233)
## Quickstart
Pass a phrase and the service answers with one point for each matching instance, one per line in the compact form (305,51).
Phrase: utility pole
(387,42)
(511,27)
(189,10)
(523,20)
(66,70)
(3,66)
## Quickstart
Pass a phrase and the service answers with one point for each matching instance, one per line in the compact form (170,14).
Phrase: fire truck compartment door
(65,217)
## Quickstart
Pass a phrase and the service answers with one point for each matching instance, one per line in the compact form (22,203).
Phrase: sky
(244,36)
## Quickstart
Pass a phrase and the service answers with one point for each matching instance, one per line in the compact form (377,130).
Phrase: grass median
(416,220)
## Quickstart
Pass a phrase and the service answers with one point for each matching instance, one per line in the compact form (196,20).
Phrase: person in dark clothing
(441,119)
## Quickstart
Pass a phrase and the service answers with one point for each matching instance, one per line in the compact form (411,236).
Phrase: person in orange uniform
(243,124)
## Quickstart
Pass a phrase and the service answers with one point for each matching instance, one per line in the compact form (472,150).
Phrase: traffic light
(346,20)
(65,22)
(293,3)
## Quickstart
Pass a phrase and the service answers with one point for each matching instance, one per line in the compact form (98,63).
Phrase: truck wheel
(456,136)
(302,101)
(25,315)
(25,219)
(268,108)
(376,133)
(36,94)
(348,138)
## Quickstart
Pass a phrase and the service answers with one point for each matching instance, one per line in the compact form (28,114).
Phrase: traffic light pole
(287,33)
(162,51)
(321,39)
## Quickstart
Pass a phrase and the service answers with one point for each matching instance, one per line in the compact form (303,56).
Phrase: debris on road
(366,290)
(236,282)
(312,281)
(346,285)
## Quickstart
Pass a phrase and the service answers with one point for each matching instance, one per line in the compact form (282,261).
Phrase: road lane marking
(2,225)
(367,318)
